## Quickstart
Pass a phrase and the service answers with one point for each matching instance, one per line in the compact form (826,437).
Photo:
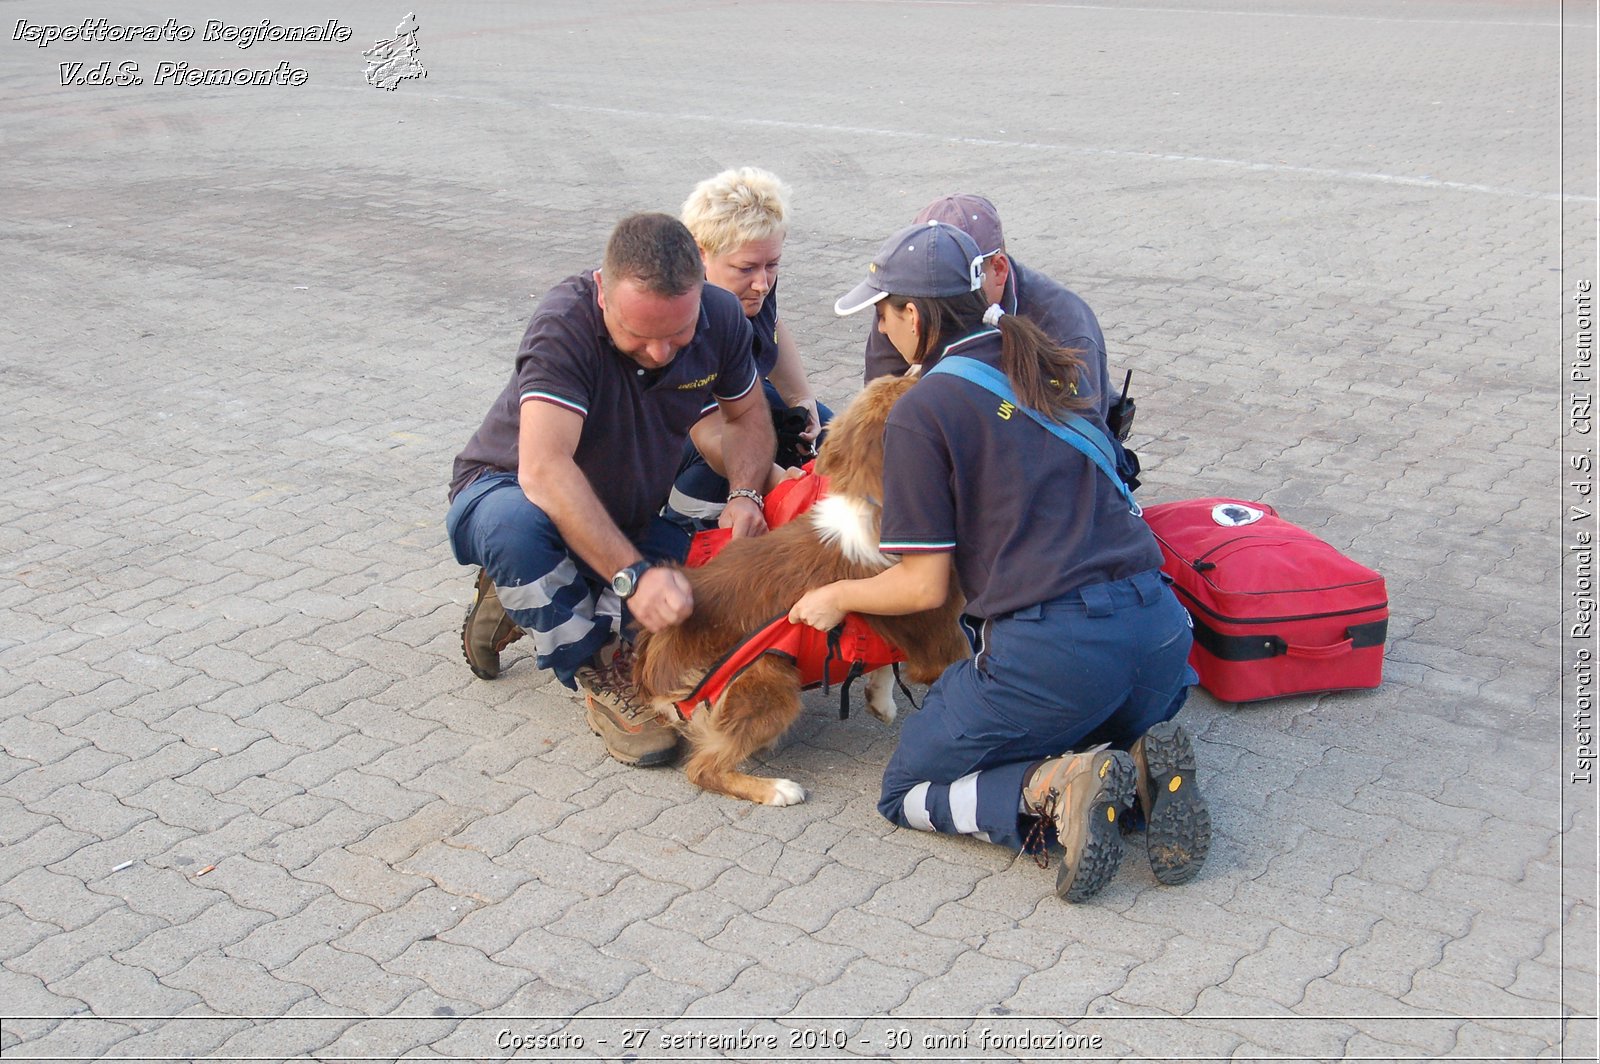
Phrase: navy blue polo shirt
(764,344)
(1027,516)
(635,421)
(1063,316)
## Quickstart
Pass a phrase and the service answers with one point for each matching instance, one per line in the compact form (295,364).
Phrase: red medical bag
(1276,610)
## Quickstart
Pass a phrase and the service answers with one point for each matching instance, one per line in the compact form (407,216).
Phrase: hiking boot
(1178,825)
(632,731)
(487,630)
(1083,794)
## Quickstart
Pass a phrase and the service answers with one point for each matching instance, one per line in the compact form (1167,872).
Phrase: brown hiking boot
(632,731)
(1083,794)
(1177,822)
(487,630)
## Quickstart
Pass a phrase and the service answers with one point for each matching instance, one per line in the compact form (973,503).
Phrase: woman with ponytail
(1063,716)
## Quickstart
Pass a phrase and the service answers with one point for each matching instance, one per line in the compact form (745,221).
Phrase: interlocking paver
(564,962)
(1483,1040)
(59,955)
(26,995)
(1189,963)
(362,879)
(71,1039)
(668,861)
(866,987)
(23,932)
(1266,1029)
(598,921)
(760,991)
(1324,238)
(237,986)
(49,897)
(69,712)
(974,981)
(125,778)
(281,1039)
(698,913)
(395,840)
(676,957)
(367,792)
(564,866)
(324,919)
(82,764)
(136,991)
(427,914)
(458,972)
(195,1037)
(348,980)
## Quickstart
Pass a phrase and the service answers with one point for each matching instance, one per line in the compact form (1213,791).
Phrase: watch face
(626,582)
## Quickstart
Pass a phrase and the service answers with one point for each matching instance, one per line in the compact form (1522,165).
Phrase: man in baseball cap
(1063,316)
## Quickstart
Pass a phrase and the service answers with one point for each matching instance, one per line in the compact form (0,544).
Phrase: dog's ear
(852,455)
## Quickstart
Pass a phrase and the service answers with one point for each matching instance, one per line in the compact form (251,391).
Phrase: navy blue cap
(932,259)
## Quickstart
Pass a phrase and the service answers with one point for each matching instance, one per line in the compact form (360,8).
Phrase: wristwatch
(626,582)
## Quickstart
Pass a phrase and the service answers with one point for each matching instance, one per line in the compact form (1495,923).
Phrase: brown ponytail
(1044,375)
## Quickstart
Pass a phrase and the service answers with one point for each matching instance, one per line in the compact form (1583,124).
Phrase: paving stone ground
(255,806)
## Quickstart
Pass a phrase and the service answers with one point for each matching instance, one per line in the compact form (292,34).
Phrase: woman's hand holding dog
(915,583)
(819,608)
(664,598)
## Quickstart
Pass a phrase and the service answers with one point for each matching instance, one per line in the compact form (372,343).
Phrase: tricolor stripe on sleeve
(905,546)
(556,400)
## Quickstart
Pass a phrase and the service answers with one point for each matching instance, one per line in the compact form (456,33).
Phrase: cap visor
(860,297)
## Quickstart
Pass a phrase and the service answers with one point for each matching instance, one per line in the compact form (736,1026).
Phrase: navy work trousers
(1101,664)
(567,608)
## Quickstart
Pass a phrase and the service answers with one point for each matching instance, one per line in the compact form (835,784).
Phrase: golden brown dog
(754,580)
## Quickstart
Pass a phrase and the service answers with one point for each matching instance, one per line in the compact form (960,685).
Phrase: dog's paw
(786,792)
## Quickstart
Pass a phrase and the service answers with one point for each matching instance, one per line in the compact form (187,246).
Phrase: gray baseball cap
(970,213)
(933,259)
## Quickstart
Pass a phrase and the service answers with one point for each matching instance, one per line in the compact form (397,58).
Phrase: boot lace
(615,680)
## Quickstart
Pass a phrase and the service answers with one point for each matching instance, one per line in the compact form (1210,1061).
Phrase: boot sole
(480,671)
(1082,879)
(1178,834)
(650,760)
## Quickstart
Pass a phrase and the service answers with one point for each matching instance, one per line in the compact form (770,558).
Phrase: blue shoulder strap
(1079,432)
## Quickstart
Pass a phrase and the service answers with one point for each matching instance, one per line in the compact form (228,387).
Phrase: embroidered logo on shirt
(1006,410)
(701,383)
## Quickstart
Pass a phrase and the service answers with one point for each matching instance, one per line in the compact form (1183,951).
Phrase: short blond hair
(736,207)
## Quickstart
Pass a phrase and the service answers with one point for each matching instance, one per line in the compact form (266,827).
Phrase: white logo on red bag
(1234,514)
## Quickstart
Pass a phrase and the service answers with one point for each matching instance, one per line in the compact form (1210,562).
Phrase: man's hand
(743,516)
(663,598)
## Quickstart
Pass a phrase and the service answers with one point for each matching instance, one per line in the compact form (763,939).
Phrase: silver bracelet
(748,493)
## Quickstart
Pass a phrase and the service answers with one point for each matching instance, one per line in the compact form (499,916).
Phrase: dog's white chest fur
(849,523)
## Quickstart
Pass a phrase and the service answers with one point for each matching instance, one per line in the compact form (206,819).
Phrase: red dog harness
(838,655)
